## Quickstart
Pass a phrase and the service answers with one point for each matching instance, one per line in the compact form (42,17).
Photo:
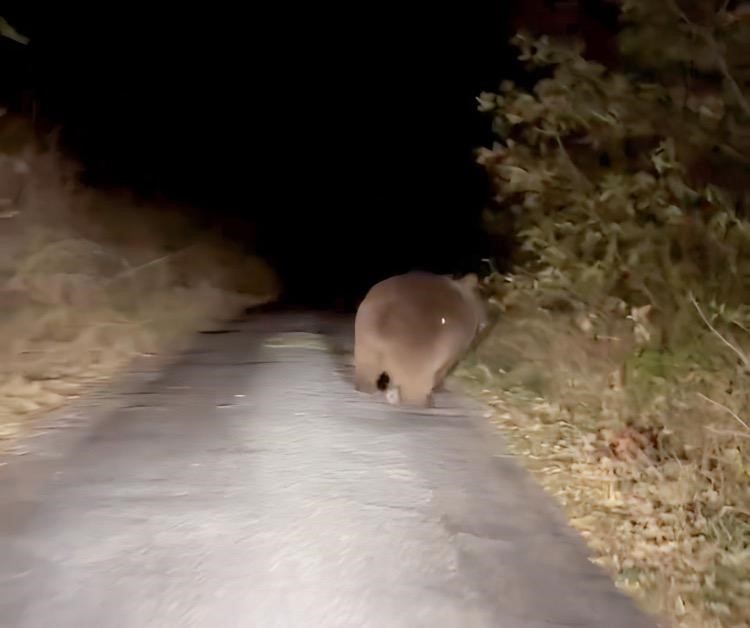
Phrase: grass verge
(648,452)
(89,280)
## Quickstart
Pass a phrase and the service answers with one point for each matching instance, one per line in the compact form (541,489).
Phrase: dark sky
(344,135)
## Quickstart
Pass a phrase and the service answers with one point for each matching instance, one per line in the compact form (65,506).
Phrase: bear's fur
(414,328)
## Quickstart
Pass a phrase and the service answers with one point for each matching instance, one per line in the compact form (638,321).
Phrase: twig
(581,177)
(132,271)
(713,430)
(736,350)
(733,152)
(725,408)
(706,35)
(730,79)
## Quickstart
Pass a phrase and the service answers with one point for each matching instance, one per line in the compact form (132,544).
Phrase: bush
(628,189)
(619,369)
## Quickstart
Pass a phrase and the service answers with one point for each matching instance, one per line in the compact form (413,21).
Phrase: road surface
(248,484)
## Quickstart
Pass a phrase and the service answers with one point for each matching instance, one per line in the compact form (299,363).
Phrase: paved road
(249,485)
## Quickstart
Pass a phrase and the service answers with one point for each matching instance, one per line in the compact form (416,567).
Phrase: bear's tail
(383,381)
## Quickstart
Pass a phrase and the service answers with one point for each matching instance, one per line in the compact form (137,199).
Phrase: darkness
(335,141)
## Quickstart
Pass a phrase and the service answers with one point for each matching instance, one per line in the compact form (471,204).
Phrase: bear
(411,329)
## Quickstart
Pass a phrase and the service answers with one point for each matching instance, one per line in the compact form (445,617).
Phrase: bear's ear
(469,281)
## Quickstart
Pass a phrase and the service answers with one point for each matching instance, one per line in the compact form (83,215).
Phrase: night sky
(336,140)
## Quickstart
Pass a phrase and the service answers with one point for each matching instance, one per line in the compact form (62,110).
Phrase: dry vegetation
(645,451)
(88,281)
(619,366)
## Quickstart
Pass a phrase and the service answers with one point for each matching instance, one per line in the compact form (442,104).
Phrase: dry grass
(648,453)
(87,282)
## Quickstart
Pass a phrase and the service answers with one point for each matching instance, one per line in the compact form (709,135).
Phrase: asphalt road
(247,484)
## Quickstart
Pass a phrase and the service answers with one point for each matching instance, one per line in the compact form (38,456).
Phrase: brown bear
(411,329)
